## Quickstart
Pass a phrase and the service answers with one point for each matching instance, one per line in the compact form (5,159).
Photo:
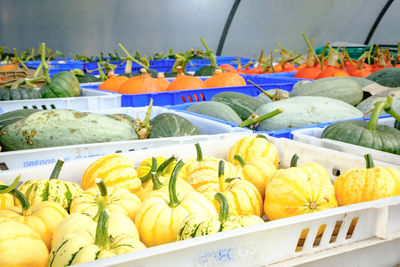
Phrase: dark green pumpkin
(87,78)
(366,133)
(172,74)
(22,93)
(152,73)
(63,84)
(206,71)
(171,125)
(389,77)
(397,124)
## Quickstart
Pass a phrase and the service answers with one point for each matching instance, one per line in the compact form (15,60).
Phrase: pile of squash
(119,208)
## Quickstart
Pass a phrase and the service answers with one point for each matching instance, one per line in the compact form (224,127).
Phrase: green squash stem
(293,161)
(20,197)
(223,207)
(102,187)
(369,53)
(131,58)
(18,59)
(44,63)
(11,187)
(213,59)
(253,119)
(221,175)
(389,110)
(57,169)
(143,128)
(173,198)
(373,120)
(369,163)
(262,90)
(156,182)
(262,136)
(102,239)
(153,168)
(240,160)
(199,152)
(165,164)
(101,206)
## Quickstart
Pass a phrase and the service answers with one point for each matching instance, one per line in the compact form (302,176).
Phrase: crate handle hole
(44,107)
(25,107)
(34,107)
(118,151)
(3,166)
(202,97)
(302,239)
(352,226)
(132,149)
(190,98)
(336,231)
(183,99)
(318,237)
(335,172)
(53,106)
(196,97)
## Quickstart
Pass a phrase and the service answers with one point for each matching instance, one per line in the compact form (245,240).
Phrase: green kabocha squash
(368,104)
(368,133)
(61,127)
(15,115)
(171,125)
(389,77)
(244,105)
(217,110)
(87,78)
(152,73)
(41,190)
(21,93)
(210,69)
(172,74)
(197,224)
(63,84)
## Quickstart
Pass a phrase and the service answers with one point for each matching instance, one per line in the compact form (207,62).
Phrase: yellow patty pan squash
(41,218)
(258,171)
(153,182)
(243,197)
(161,214)
(52,189)
(204,171)
(89,245)
(118,224)
(6,199)
(118,200)
(21,246)
(299,190)
(254,147)
(366,184)
(196,224)
(115,170)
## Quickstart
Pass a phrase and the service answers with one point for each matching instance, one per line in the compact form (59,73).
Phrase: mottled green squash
(389,77)
(243,105)
(60,127)
(15,115)
(342,89)
(63,84)
(206,71)
(22,93)
(87,78)
(368,104)
(171,125)
(216,110)
(302,111)
(152,73)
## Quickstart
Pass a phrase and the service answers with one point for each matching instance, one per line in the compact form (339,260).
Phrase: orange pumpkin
(113,83)
(185,82)
(8,67)
(226,79)
(142,84)
(162,82)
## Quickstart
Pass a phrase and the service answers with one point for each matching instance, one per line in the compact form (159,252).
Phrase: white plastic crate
(89,100)
(32,157)
(276,242)
(312,136)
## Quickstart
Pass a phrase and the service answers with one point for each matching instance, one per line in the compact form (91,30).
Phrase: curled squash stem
(130,57)
(262,90)
(153,168)
(19,60)
(221,175)
(213,60)
(369,163)
(44,64)
(199,152)
(165,164)
(57,169)
(101,206)
(240,160)
(156,182)
(379,107)
(223,207)
(252,120)
(19,196)
(102,188)
(173,198)
(8,189)
(102,240)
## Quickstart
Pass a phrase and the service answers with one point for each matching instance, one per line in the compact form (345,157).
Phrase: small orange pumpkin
(220,79)
(162,82)
(141,84)
(185,82)
(113,83)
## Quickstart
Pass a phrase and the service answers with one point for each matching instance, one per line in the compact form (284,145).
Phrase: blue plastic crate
(270,79)
(56,66)
(196,64)
(189,96)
